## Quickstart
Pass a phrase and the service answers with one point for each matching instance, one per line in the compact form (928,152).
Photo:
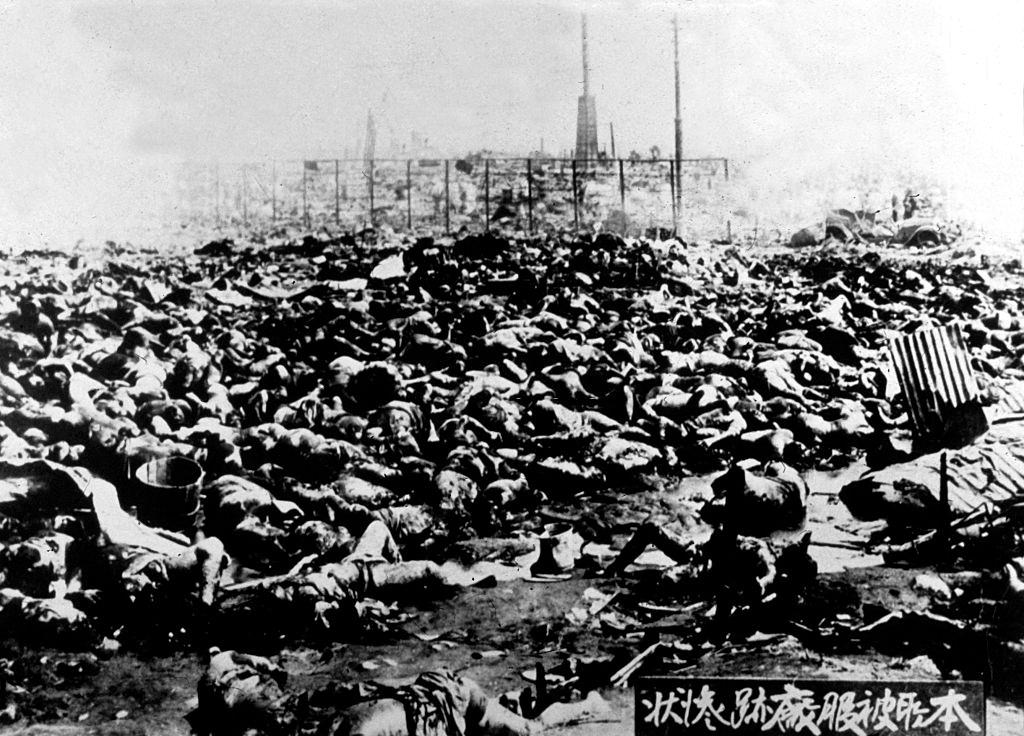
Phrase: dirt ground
(496,634)
(131,695)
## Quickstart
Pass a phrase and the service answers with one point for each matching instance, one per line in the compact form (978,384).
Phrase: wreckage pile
(257,444)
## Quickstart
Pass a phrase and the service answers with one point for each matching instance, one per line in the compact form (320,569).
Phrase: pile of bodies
(357,409)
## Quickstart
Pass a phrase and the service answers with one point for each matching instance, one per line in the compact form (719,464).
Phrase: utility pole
(679,118)
(370,151)
(611,135)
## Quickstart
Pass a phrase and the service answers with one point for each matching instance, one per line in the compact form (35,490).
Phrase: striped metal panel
(933,369)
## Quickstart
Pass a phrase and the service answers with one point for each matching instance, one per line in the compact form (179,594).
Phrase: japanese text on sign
(667,705)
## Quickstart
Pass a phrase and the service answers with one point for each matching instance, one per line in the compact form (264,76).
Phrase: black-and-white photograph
(493,368)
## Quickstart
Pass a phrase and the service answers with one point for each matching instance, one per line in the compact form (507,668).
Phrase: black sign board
(666,706)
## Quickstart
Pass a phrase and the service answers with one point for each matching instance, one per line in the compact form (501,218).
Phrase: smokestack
(586,61)
(586,118)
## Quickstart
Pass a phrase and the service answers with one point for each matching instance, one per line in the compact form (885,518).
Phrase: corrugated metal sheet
(933,369)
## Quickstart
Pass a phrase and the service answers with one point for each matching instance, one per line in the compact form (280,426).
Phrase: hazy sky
(87,88)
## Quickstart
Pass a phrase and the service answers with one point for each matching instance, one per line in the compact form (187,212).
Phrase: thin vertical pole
(408,194)
(679,116)
(273,191)
(672,184)
(726,168)
(245,196)
(611,135)
(529,191)
(575,200)
(622,187)
(305,208)
(337,196)
(371,193)
(447,200)
(487,194)
(944,525)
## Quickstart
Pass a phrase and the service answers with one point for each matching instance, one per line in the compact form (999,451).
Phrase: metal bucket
(556,553)
(168,493)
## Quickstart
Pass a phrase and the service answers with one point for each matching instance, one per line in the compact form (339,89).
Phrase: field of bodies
(298,298)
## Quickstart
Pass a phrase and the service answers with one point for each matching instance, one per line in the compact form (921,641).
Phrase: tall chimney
(586,119)
(586,61)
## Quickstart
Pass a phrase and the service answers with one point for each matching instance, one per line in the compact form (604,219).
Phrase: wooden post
(371,193)
(529,192)
(487,194)
(622,187)
(447,200)
(575,200)
(273,191)
(944,525)
(408,194)
(672,185)
(337,196)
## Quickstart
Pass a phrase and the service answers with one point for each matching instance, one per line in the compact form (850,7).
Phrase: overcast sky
(783,85)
